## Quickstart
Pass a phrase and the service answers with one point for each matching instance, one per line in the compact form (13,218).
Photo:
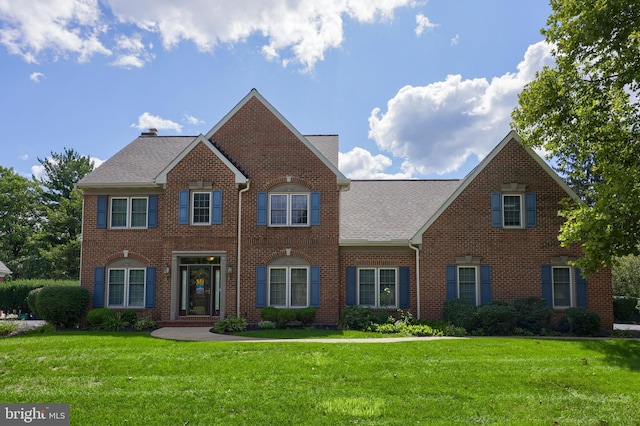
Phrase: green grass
(310,333)
(132,378)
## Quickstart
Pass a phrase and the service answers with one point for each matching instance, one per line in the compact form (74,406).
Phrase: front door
(199,290)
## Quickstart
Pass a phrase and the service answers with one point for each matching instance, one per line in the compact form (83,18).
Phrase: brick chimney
(152,132)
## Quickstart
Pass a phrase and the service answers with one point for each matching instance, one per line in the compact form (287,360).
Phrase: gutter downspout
(239,247)
(417,250)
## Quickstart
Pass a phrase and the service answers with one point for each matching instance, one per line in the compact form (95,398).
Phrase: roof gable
(240,178)
(512,135)
(254,94)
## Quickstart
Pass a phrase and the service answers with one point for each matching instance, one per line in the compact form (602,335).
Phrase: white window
(126,287)
(289,286)
(561,286)
(129,212)
(378,287)
(201,208)
(288,209)
(468,284)
(512,210)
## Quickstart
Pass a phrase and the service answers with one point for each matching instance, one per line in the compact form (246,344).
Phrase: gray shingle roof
(327,145)
(139,162)
(390,210)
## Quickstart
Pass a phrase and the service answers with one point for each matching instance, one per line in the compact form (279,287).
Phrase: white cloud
(300,31)
(36,76)
(361,164)
(24,157)
(148,121)
(62,26)
(131,52)
(423,24)
(39,173)
(192,120)
(455,40)
(435,128)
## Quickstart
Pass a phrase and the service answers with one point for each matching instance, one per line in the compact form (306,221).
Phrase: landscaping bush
(129,316)
(62,306)
(581,321)
(31,300)
(144,323)
(231,325)
(625,274)
(460,313)
(14,297)
(306,316)
(356,317)
(97,318)
(497,318)
(285,316)
(533,314)
(266,325)
(8,327)
(269,314)
(624,308)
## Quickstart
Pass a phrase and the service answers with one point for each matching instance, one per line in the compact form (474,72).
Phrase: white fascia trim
(342,180)
(240,178)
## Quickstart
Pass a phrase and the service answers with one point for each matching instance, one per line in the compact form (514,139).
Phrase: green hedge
(62,306)
(624,308)
(13,294)
(288,317)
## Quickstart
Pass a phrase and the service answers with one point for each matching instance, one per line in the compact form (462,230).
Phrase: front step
(189,322)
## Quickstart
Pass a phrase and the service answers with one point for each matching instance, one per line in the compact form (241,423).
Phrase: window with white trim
(126,287)
(288,286)
(561,286)
(288,209)
(201,208)
(378,287)
(467,278)
(129,212)
(512,210)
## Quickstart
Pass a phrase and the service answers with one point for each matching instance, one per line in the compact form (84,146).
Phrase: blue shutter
(101,212)
(183,208)
(352,281)
(216,207)
(261,286)
(150,288)
(547,290)
(152,213)
(315,286)
(530,202)
(315,208)
(98,287)
(485,284)
(262,209)
(581,289)
(404,287)
(496,209)
(452,282)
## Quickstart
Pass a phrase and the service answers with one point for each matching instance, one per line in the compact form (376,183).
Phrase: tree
(585,111)
(61,172)
(20,216)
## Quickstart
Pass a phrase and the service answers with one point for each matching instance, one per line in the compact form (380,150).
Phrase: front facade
(190,230)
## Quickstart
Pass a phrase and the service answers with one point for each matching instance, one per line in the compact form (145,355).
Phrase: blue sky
(414,89)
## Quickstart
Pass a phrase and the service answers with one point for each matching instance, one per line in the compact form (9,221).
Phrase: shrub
(423,330)
(129,316)
(266,325)
(286,316)
(97,318)
(625,274)
(460,313)
(231,325)
(8,327)
(31,300)
(497,318)
(269,314)
(113,323)
(306,316)
(14,296)
(356,317)
(582,321)
(62,306)
(533,314)
(144,323)
(624,308)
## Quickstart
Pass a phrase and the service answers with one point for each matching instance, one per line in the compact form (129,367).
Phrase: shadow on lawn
(619,353)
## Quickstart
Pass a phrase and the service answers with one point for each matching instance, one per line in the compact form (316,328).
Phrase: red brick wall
(515,255)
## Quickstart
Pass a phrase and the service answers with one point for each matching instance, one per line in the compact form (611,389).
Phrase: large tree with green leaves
(585,111)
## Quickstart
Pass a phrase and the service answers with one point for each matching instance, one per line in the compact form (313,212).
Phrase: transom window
(126,287)
(129,212)
(467,284)
(512,210)
(288,209)
(201,208)
(288,286)
(378,287)
(561,280)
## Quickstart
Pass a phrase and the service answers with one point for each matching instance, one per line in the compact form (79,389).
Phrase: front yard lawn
(132,378)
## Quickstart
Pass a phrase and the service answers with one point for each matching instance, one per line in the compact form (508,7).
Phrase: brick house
(194,229)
